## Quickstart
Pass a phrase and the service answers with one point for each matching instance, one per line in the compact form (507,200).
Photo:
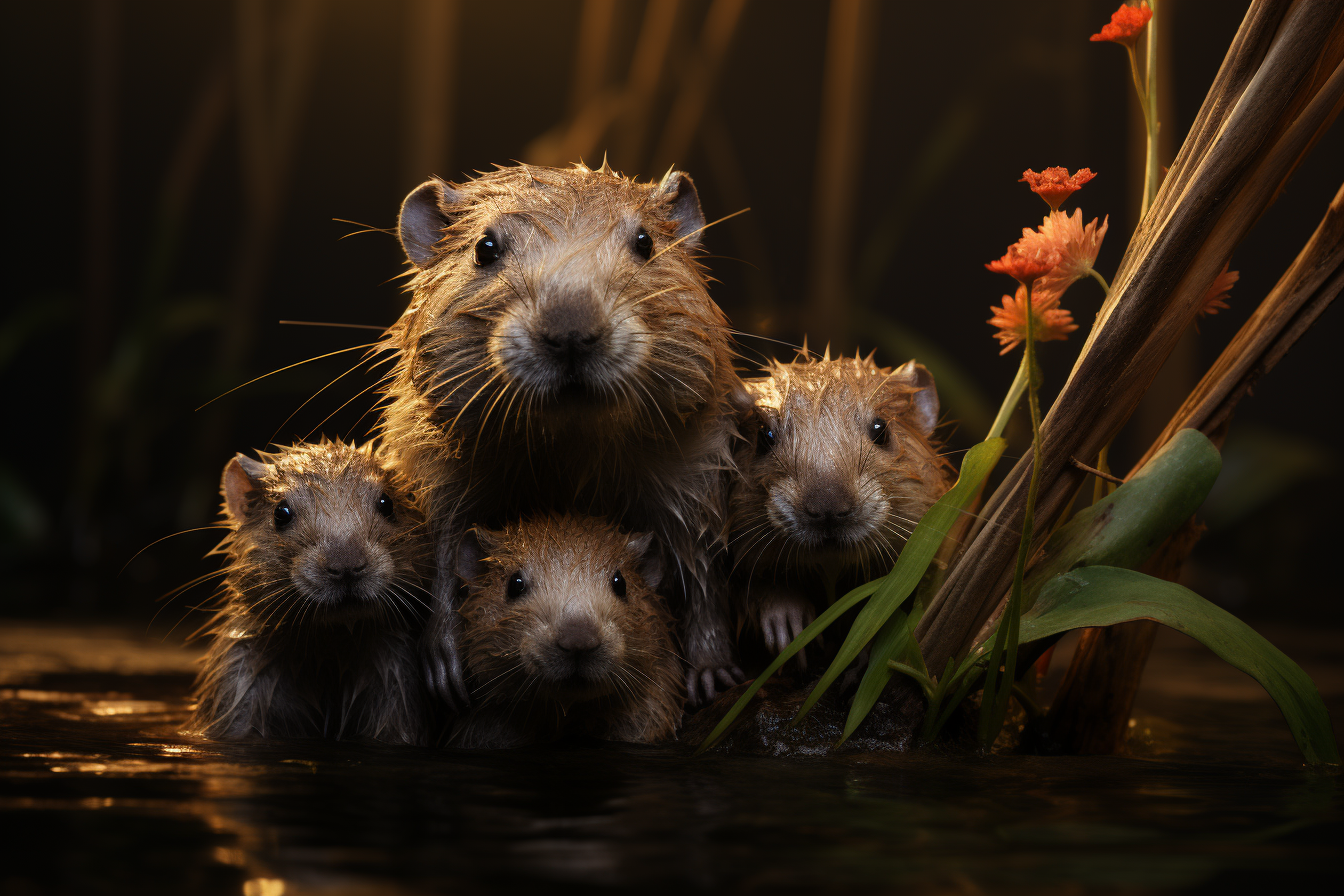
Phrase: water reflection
(107,797)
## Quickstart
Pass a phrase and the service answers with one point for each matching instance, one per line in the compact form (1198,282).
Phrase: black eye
(488,249)
(618,584)
(644,244)
(283,515)
(516,586)
(877,431)
(384,506)
(765,439)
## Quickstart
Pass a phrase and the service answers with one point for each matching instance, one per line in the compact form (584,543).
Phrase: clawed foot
(705,683)
(443,674)
(784,619)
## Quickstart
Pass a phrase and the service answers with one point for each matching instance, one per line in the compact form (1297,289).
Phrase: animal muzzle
(571,334)
(344,566)
(828,506)
(577,651)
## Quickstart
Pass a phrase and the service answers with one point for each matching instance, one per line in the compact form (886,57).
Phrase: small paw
(782,622)
(443,675)
(705,683)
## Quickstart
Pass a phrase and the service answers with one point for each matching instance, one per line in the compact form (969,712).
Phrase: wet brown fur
(294,653)
(651,451)
(520,694)
(820,411)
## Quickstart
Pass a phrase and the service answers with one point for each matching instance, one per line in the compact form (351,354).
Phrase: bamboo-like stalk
(624,108)
(1279,87)
(850,45)
(688,109)
(431,32)
(646,73)
(269,119)
(592,52)
(1094,701)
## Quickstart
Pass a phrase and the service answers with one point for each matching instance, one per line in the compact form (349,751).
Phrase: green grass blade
(893,641)
(833,612)
(1105,595)
(915,557)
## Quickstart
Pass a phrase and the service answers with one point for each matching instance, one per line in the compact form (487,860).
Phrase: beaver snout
(827,507)
(578,637)
(576,650)
(345,560)
(570,330)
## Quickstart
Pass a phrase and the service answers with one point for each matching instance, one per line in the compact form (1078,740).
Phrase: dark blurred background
(185,176)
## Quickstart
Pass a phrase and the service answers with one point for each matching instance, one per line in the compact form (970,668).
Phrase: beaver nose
(578,637)
(828,504)
(346,560)
(571,328)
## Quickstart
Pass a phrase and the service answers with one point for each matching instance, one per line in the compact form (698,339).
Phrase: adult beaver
(561,354)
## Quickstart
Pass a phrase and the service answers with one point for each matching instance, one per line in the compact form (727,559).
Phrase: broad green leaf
(915,557)
(1124,528)
(1104,595)
(833,612)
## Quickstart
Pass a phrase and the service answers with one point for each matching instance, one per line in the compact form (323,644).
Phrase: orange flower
(1219,290)
(1024,263)
(1076,244)
(1049,323)
(1054,185)
(1126,23)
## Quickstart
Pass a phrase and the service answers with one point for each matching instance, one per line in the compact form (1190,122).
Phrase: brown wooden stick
(1100,474)
(1247,141)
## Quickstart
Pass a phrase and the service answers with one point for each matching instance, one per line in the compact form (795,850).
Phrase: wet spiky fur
(521,692)
(293,657)
(648,447)
(819,412)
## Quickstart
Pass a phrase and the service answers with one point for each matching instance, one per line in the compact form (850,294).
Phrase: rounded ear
(471,553)
(650,557)
(924,408)
(742,400)
(241,481)
(424,215)
(677,193)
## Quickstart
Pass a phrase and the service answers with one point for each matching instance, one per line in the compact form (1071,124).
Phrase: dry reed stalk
(688,109)
(850,46)
(431,32)
(1278,89)
(592,53)
(1092,708)
(580,136)
(275,63)
(652,48)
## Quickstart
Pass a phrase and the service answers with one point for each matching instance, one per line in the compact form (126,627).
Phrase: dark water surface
(99,794)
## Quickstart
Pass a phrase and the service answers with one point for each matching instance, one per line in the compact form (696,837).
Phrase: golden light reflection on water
(300,819)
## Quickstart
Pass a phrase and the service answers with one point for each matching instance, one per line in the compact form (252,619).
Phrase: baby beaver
(836,469)
(561,354)
(318,630)
(565,635)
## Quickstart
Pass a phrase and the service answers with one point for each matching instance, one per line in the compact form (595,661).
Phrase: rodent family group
(575,507)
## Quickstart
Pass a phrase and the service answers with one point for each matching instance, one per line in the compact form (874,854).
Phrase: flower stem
(1150,170)
(1100,279)
(1138,80)
(994,707)
(1010,401)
